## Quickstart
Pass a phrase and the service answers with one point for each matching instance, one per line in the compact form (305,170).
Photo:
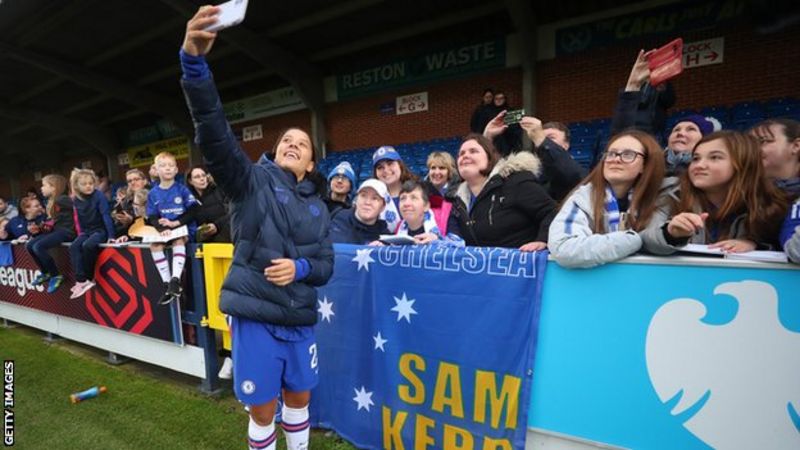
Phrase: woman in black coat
(499,203)
(213,220)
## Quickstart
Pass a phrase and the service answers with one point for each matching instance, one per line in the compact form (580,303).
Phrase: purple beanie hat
(705,125)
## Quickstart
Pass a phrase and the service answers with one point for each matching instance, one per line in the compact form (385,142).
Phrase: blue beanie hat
(703,124)
(345,169)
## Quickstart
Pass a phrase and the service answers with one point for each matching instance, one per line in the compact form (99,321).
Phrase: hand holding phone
(230,13)
(666,62)
(513,117)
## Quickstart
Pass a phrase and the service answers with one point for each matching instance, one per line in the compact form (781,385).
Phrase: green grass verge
(144,408)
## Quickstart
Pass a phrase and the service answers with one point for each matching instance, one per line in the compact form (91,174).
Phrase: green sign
(430,66)
(269,103)
(669,20)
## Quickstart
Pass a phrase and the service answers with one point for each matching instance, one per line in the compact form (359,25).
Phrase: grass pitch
(145,407)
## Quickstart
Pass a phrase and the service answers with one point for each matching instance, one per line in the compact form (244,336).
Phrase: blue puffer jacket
(347,229)
(272,216)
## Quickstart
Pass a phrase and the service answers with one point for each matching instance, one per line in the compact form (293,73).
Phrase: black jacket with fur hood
(511,210)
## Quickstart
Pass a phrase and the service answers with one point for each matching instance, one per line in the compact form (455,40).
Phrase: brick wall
(572,88)
(755,67)
(271,126)
(359,123)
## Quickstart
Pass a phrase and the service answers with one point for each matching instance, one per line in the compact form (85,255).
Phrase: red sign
(125,298)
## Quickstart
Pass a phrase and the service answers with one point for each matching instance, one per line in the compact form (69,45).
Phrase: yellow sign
(142,155)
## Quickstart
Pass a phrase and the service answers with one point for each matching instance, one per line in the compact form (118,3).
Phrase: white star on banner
(363,398)
(326,309)
(404,308)
(379,341)
(363,258)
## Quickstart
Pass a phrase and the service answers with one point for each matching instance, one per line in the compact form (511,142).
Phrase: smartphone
(513,117)
(666,62)
(230,13)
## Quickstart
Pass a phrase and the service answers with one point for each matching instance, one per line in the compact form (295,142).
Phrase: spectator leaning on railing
(499,203)
(600,221)
(32,214)
(725,201)
(361,224)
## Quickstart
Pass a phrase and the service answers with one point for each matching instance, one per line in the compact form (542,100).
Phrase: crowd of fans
(513,184)
(731,190)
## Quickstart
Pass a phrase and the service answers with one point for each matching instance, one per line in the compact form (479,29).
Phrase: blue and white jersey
(171,203)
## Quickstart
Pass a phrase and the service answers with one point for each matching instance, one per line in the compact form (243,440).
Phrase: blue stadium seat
(746,114)
(782,107)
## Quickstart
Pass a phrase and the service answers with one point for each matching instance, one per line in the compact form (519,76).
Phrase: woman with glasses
(212,216)
(123,213)
(601,220)
(138,228)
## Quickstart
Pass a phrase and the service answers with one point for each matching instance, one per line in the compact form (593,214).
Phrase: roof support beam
(407,32)
(324,15)
(525,23)
(172,109)
(100,138)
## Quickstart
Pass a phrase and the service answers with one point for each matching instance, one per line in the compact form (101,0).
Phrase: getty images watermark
(8,403)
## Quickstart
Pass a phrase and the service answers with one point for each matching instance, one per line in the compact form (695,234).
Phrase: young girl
(601,220)
(726,200)
(388,166)
(59,228)
(96,227)
(780,149)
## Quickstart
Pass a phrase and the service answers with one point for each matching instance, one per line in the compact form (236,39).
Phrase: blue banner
(668,356)
(428,346)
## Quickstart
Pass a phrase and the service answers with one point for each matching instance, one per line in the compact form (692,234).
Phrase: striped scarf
(429,224)
(612,209)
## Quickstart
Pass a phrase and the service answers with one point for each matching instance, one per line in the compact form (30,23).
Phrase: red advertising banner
(125,298)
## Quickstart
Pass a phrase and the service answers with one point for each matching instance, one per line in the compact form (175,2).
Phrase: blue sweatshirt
(94,214)
(18,226)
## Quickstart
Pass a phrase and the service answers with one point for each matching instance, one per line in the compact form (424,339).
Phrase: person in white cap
(362,224)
